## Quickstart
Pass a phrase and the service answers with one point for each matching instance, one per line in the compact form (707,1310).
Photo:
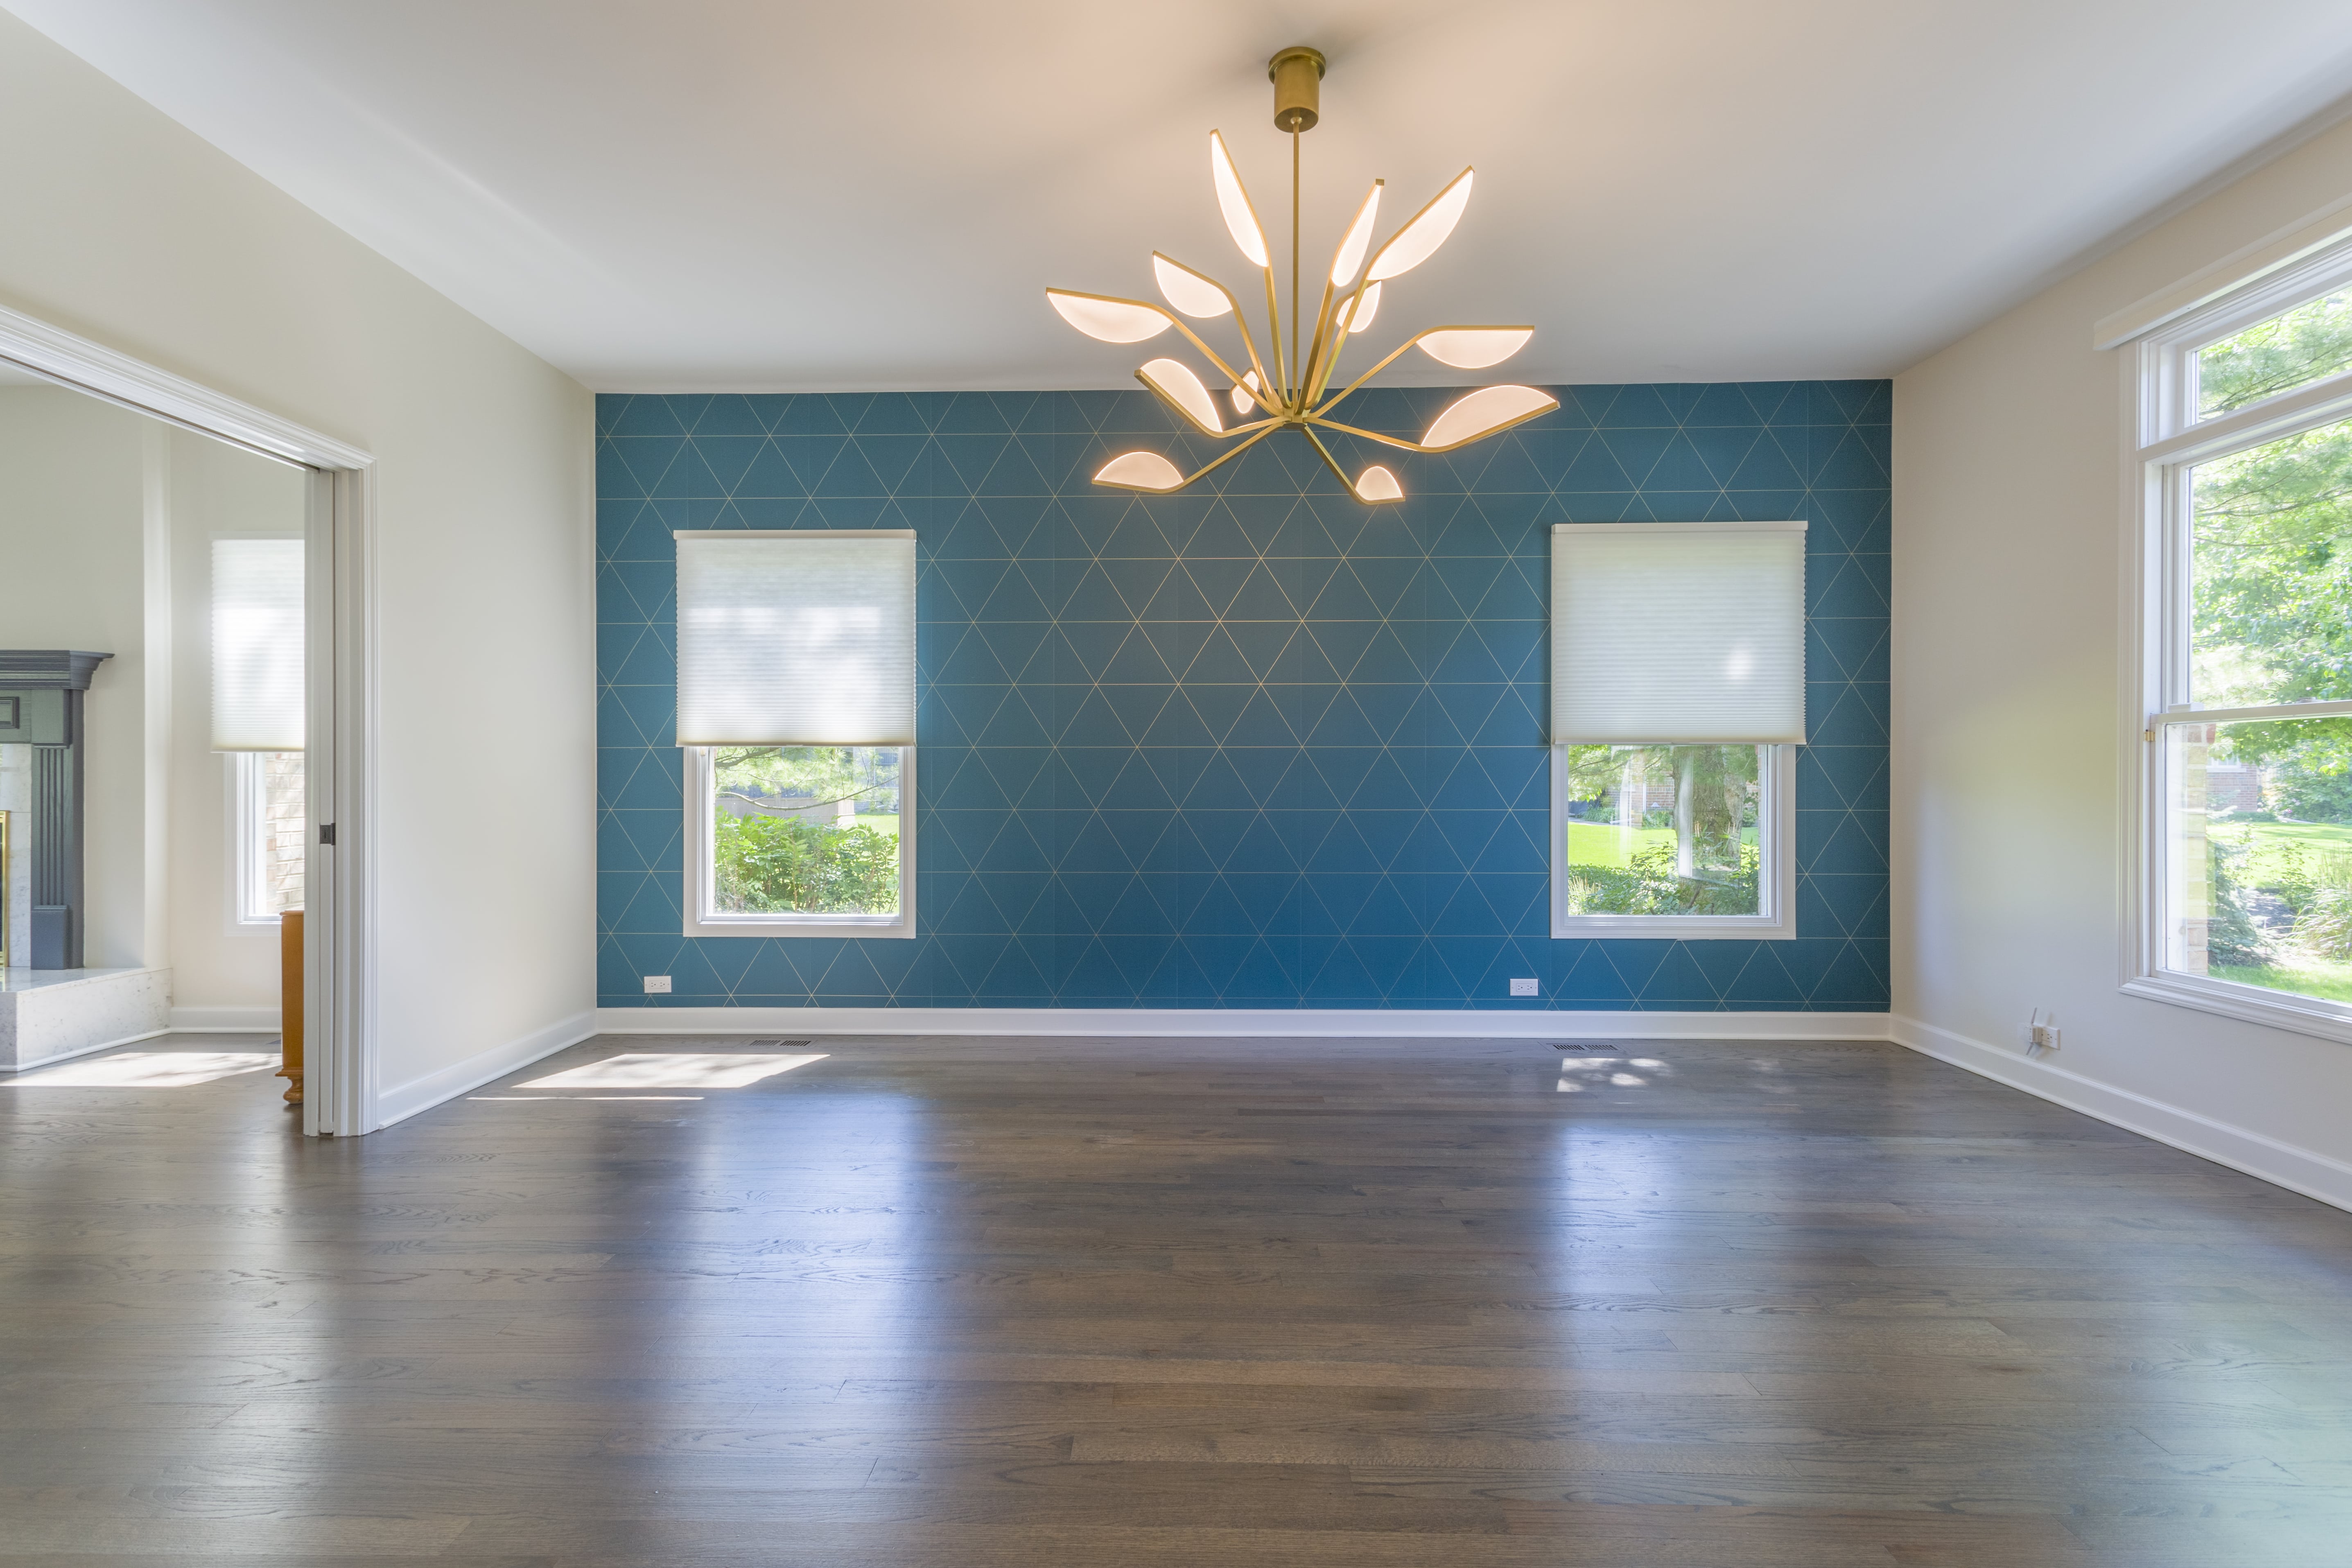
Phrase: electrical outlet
(656,985)
(1523,988)
(2040,1032)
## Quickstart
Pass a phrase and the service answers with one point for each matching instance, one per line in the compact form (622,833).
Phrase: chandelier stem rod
(1273,389)
(1298,371)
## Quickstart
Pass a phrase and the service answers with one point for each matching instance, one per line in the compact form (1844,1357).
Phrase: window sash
(1776,879)
(2169,442)
(703,919)
(248,798)
(2167,372)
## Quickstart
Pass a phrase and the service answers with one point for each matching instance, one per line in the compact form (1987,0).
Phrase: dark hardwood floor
(1167,1303)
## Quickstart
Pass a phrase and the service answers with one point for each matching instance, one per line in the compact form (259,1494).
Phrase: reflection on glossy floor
(1251,1305)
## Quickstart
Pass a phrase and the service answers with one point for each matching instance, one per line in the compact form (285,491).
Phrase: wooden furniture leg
(290,1002)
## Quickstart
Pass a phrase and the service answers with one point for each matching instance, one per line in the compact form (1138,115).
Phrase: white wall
(70,565)
(2012,745)
(125,227)
(223,974)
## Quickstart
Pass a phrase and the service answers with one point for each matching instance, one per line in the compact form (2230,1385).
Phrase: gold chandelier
(1293,396)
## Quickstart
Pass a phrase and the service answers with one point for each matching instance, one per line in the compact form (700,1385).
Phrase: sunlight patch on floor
(147,1069)
(673,1070)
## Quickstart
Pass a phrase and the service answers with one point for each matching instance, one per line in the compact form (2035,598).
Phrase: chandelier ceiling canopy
(1293,391)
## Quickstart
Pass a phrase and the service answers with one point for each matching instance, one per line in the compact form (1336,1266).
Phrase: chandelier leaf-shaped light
(1295,393)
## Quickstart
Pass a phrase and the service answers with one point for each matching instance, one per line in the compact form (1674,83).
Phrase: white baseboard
(1451,1023)
(225,1020)
(2299,1170)
(461,1078)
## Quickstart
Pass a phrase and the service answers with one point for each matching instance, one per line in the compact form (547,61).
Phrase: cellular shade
(258,645)
(1678,631)
(797,639)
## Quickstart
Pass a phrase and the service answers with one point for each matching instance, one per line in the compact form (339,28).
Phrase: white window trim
(702,921)
(1776,817)
(248,881)
(2164,440)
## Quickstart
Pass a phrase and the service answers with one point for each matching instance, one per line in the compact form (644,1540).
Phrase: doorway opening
(183,726)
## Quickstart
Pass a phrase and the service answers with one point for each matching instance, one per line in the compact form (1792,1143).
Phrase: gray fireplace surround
(42,692)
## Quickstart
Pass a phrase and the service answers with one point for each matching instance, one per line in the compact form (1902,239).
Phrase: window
(1678,702)
(2246,707)
(269,838)
(258,698)
(796,710)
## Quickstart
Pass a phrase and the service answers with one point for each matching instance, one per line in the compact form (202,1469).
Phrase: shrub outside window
(804,830)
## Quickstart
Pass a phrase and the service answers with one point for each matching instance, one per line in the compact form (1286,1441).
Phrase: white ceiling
(667,194)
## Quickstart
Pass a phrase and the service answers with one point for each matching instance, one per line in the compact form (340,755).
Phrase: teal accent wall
(1257,746)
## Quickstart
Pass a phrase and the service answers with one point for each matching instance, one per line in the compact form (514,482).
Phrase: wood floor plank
(1265,1304)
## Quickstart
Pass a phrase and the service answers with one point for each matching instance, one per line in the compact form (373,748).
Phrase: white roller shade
(258,645)
(1678,631)
(797,639)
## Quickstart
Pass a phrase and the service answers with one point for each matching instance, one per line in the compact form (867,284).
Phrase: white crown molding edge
(118,378)
(445,1084)
(1453,1024)
(2314,1175)
(2281,248)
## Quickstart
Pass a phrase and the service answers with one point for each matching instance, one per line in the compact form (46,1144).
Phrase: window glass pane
(1663,830)
(2272,572)
(2278,355)
(285,814)
(2260,833)
(804,830)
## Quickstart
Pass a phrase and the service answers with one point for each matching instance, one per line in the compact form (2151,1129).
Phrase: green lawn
(2269,842)
(2306,977)
(1602,843)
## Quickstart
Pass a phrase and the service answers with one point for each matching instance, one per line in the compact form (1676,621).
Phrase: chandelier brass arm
(1249,340)
(1264,429)
(1167,319)
(1367,434)
(1412,341)
(1329,461)
(1294,396)
(1391,359)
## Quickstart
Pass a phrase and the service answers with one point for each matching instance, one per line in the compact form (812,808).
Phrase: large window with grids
(2243,455)
(1678,706)
(796,712)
